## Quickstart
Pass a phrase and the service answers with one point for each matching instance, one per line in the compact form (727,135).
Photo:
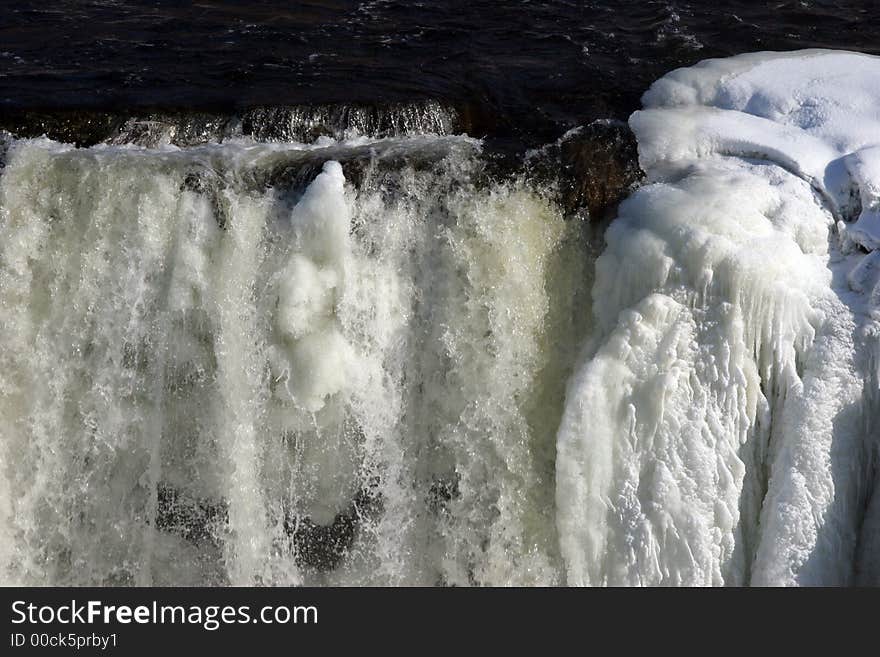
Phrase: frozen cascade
(367,361)
(720,428)
(211,375)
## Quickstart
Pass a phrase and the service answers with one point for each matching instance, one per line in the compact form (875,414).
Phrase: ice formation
(720,427)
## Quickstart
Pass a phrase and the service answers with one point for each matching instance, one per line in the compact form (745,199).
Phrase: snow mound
(814,112)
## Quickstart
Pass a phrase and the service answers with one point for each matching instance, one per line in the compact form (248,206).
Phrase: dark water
(521,71)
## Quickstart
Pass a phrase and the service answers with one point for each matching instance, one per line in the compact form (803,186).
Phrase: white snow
(719,428)
(814,112)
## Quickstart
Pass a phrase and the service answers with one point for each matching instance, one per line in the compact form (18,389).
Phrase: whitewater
(369,360)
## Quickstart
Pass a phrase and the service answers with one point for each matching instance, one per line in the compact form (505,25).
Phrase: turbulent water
(202,373)
(258,327)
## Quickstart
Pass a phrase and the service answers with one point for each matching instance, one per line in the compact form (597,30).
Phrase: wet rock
(79,127)
(593,168)
(307,123)
(151,128)
(188,129)
(316,547)
(206,183)
(294,171)
(195,520)
(322,547)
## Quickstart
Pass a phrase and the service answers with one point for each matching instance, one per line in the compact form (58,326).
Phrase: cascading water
(214,371)
(372,361)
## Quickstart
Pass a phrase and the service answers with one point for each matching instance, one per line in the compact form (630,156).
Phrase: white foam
(274,352)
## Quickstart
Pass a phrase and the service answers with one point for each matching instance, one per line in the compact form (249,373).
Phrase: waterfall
(230,364)
(342,347)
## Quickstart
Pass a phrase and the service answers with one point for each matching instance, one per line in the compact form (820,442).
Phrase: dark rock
(183,128)
(193,519)
(308,122)
(593,167)
(206,182)
(80,127)
(294,171)
(86,127)
(322,547)
(317,547)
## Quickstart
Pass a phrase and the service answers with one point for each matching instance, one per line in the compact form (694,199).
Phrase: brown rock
(593,167)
